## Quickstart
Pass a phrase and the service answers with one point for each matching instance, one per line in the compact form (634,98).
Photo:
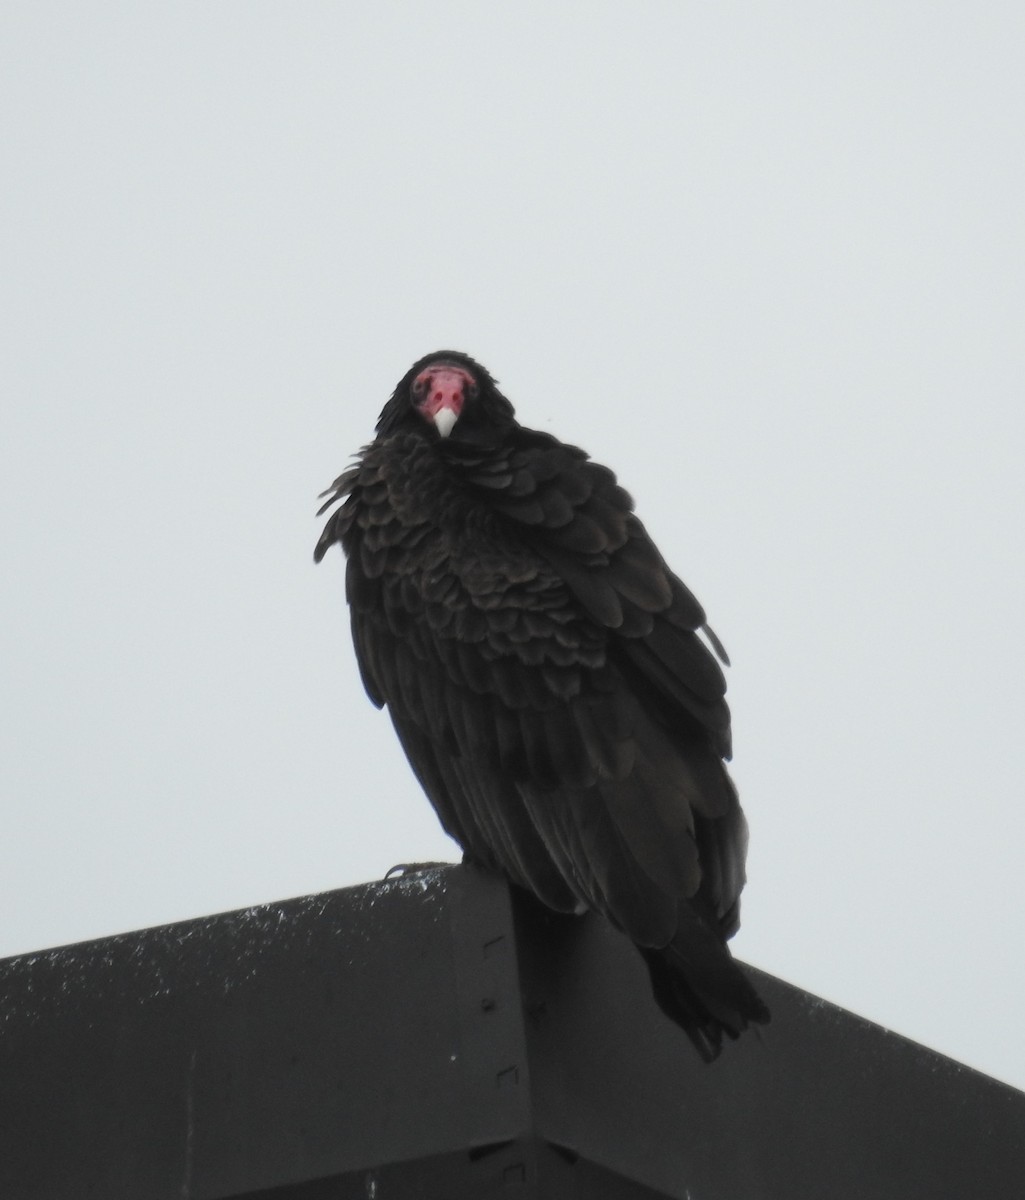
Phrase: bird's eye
(419,385)
(472,389)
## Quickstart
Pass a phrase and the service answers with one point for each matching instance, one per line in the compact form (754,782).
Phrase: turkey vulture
(543,669)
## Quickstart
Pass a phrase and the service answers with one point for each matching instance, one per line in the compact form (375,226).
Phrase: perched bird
(543,669)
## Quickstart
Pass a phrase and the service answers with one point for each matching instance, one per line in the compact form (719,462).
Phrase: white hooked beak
(444,419)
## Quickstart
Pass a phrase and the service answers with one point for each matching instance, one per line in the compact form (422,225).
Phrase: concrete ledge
(435,1036)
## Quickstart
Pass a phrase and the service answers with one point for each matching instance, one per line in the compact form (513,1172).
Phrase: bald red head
(439,393)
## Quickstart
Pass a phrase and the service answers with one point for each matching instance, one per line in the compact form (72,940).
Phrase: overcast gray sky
(766,260)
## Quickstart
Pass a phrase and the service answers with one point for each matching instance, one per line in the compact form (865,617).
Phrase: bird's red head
(439,392)
(449,396)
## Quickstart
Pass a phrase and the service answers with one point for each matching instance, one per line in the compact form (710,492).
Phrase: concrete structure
(436,1036)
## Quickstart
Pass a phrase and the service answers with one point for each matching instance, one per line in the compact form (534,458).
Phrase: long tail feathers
(723,1003)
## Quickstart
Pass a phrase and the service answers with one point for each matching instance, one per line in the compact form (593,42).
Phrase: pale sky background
(765,260)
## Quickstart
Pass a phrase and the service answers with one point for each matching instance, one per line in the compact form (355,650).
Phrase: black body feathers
(544,673)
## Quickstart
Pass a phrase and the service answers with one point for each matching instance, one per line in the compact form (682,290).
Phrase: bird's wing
(576,515)
(581,522)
